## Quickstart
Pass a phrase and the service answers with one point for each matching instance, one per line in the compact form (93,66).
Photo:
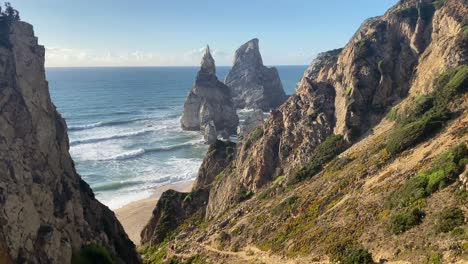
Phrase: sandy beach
(134,216)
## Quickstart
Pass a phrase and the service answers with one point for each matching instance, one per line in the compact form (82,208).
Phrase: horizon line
(161,66)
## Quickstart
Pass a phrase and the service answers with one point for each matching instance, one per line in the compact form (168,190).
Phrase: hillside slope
(361,163)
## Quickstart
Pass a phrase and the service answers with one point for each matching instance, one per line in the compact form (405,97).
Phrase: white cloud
(62,57)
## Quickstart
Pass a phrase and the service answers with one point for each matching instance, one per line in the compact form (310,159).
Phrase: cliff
(365,162)
(209,100)
(48,213)
(252,84)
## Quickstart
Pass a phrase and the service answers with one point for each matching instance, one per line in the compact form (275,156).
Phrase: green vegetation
(325,152)
(427,114)
(438,3)
(435,258)
(92,254)
(243,194)
(345,251)
(410,197)
(405,220)
(9,13)
(443,171)
(217,178)
(426,11)
(449,219)
(257,133)
(358,256)
(349,90)
(363,48)
(411,13)
(286,205)
(380,65)
(158,255)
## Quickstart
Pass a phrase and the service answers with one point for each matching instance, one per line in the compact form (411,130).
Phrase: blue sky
(173,32)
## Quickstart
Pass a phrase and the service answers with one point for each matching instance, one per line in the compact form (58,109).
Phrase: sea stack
(252,84)
(209,100)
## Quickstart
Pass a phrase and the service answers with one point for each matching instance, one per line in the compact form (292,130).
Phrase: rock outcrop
(47,211)
(253,120)
(252,84)
(210,135)
(175,207)
(209,100)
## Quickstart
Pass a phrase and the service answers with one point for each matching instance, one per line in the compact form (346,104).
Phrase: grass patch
(92,253)
(427,114)
(449,219)
(325,152)
(403,221)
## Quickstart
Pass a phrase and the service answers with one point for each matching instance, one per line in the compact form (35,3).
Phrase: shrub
(444,170)
(435,258)
(243,194)
(448,219)
(427,114)
(325,152)
(286,206)
(358,256)
(405,220)
(410,13)
(346,251)
(93,253)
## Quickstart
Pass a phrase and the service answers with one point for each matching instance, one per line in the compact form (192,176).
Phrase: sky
(79,33)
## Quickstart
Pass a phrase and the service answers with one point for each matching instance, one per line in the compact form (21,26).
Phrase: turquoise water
(124,130)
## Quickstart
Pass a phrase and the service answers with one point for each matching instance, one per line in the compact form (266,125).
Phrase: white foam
(127,155)
(111,137)
(87,126)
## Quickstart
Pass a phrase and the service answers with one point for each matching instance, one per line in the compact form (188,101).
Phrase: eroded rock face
(47,211)
(174,207)
(348,91)
(253,120)
(252,84)
(209,100)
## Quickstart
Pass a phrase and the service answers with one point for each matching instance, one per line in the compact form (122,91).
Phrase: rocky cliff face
(209,100)
(252,84)
(383,195)
(173,208)
(348,91)
(47,211)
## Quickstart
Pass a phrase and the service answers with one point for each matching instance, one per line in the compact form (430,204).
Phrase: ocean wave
(139,152)
(83,127)
(120,122)
(116,185)
(127,155)
(112,137)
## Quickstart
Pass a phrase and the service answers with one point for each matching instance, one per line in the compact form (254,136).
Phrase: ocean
(123,125)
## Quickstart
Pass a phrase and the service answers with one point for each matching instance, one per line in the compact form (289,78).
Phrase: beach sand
(134,216)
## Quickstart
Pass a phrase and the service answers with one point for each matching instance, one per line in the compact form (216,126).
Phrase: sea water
(124,130)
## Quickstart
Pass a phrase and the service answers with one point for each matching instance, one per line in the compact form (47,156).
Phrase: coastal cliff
(364,163)
(209,101)
(252,84)
(48,213)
